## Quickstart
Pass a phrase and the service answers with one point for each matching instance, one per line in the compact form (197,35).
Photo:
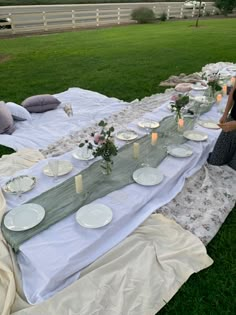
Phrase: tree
(199,13)
(225,6)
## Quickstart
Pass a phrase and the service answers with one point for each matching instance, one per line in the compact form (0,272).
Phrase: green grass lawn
(128,63)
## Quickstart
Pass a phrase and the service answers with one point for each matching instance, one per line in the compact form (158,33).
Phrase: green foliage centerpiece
(179,102)
(213,82)
(103,146)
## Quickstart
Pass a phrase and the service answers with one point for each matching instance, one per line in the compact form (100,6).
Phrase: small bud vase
(106,167)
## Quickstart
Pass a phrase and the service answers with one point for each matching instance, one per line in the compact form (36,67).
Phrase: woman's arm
(228,106)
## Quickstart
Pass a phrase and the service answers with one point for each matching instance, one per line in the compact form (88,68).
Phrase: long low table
(131,205)
(56,255)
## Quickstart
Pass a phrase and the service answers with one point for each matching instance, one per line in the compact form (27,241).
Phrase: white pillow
(18,112)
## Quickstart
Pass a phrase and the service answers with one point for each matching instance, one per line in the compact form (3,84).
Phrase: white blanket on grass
(46,128)
(138,276)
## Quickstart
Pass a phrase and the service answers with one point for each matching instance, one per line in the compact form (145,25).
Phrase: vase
(106,167)
(178,116)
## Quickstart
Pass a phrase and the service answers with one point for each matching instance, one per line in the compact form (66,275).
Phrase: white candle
(136,149)
(154,138)
(79,184)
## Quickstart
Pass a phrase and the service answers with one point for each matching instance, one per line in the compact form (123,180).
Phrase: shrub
(207,13)
(143,15)
(163,16)
(225,6)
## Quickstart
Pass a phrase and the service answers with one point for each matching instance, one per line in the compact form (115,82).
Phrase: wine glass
(53,165)
(146,162)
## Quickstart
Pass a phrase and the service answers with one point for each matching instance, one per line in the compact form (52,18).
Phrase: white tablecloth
(56,256)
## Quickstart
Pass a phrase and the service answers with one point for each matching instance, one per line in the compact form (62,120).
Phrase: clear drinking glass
(146,160)
(53,165)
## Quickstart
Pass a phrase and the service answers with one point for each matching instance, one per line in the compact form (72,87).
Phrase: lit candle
(224,89)
(154,138)
(219,98)
(180,123)
(136,150)
(79,184)
(233,80)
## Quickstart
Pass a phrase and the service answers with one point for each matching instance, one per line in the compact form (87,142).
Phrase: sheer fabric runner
(62,200)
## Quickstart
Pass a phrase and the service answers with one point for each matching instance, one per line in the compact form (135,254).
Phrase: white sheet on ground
(138,276)
(46,128)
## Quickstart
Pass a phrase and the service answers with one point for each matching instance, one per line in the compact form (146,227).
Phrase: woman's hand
(223,119)
(228,126)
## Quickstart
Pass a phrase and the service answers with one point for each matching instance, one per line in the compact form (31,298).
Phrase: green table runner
(62,200)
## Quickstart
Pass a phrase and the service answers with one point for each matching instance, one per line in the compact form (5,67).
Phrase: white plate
(64,167)
(83,155)
(195,135)
(94,216)
(126,135)
(20,184)
(149,124)
(24,217)
(180,151)
(197,87)
(208,124)
(148,176)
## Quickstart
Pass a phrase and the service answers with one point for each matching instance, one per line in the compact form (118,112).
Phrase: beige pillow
(40,103)
(6,120)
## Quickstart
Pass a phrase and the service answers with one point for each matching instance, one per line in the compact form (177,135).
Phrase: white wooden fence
(49,18)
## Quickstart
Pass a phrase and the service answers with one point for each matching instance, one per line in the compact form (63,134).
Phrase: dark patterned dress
(225,148)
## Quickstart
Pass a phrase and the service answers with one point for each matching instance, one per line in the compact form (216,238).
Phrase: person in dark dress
(224,151)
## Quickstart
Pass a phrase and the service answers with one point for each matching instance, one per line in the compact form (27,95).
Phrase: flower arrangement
(179,101)
(213,81)
(103,146)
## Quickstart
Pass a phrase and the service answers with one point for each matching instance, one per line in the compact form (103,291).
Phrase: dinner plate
(148,176)
(20,184)
(195,135)
(149,124)
(208,124)
(24,217)
(180,151)
(94,216)
(83,155)
(126,135)
(200,87)
(64,167)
